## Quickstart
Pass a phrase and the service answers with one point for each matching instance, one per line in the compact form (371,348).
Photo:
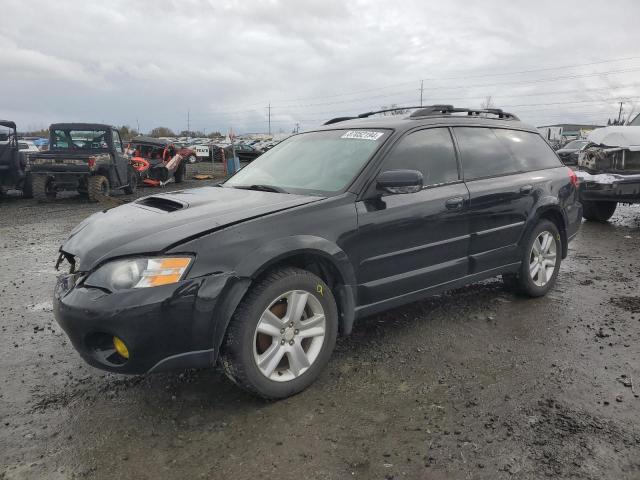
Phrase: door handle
(526,189)
(454,203)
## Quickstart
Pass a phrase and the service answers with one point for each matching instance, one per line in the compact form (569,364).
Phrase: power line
(526,82)
(613,60)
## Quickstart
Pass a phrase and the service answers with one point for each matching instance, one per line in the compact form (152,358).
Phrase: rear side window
(428,151)
(483,154)
(529,150)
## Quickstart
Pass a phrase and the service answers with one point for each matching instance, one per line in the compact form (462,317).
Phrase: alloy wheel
(543,259)
(289,336)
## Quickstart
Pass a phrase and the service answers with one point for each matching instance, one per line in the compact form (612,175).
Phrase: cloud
(224,61)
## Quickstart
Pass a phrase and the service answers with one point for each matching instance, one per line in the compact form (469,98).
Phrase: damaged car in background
(609,171)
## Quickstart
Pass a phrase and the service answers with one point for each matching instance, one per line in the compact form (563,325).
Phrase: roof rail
(472,112)
(338,119)
(368,114)
(433,110)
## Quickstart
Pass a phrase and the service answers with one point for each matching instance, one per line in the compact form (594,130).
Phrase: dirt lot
(477,383)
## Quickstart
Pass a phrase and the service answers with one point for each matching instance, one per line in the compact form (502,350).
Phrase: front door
(410,242)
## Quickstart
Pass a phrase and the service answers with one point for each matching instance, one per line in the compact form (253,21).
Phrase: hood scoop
(162,203)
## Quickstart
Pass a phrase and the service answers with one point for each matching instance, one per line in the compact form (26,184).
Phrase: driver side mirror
(400,181)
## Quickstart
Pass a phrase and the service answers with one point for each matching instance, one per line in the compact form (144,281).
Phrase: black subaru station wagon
(262,272)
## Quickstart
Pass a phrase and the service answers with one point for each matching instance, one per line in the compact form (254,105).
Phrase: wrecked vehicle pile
(609,171)
(158,162)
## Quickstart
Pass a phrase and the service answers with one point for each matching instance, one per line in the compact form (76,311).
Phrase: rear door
(501,169)
(409,242)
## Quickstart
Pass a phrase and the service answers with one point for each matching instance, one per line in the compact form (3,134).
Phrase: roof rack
(433,110)
(472,112)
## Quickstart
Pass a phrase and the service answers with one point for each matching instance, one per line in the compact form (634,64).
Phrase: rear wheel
(540,263)
(43,188)
(97,187)
(598,211)
(281,335)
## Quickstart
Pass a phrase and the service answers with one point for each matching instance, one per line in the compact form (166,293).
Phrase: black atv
(87,157)
(13,162)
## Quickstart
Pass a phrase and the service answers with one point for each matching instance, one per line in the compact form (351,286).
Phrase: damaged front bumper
(609,187)
(163,328)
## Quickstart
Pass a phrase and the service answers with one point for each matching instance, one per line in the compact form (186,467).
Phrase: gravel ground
(476,383)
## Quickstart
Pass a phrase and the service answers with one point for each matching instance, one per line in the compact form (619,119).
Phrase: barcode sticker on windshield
(362,135)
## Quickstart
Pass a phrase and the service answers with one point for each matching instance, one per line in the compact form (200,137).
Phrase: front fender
(271,253)
(261,259)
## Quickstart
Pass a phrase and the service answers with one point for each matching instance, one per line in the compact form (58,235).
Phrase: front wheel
(27,187)
(540,262)
(281,335)
(132,180)
(598,211)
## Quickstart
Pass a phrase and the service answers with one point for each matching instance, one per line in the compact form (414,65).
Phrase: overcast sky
(151,62)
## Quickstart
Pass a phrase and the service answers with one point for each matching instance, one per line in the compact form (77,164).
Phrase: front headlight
(139,273)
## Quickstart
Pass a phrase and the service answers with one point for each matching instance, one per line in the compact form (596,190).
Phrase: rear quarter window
(529,150)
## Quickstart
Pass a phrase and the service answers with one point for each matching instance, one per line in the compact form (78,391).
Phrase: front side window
(482,153)
(321,162)
(428,151)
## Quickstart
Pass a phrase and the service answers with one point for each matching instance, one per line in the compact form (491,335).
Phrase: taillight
(92,162)
(573,178)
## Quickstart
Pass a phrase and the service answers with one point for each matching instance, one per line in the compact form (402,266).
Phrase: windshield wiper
(262,188)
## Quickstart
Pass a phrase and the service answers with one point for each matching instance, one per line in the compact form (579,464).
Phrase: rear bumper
(609,187)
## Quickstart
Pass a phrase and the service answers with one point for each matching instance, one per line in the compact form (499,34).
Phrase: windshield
(323,162)
(577,144)
(79,139)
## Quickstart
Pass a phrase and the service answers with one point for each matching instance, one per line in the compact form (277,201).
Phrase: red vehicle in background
(158,161)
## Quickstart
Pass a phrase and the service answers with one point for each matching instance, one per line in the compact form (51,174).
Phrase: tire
(42,188)
(97,187)
(537,281)
(598,211)
(27,187)
(132,181)
(178,176)
(192,159)
(243,345)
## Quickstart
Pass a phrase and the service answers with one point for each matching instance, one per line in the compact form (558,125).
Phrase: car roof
(8,124)
(80,126)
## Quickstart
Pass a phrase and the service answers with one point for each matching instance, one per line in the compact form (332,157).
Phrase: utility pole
(269,109)
(138,124)
(620,113)
(421,90)
(188,121)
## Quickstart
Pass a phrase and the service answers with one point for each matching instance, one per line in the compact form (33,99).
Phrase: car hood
(155,223)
